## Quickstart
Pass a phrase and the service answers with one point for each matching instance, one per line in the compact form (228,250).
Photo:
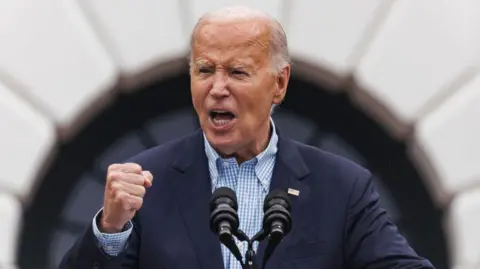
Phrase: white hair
(279,54)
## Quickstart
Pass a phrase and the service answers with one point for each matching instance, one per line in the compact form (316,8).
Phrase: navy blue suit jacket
(337,221)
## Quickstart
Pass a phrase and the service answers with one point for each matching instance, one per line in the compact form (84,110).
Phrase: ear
(281,85)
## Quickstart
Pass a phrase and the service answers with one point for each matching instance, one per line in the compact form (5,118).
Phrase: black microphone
(224,220)
(277,220)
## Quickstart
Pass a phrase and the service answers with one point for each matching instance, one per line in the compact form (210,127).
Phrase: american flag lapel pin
(293,192)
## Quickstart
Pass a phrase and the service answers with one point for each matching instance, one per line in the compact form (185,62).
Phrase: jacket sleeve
(112,244)
(372,240)
(87,252)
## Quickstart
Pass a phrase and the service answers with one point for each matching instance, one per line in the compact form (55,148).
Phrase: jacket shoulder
(331,165)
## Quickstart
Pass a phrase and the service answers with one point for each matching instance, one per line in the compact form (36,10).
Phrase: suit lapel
(192,186)
(193,191)
(288,172)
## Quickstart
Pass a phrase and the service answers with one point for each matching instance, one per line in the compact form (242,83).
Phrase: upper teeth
(220,111)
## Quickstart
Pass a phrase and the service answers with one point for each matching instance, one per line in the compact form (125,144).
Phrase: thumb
(148,178)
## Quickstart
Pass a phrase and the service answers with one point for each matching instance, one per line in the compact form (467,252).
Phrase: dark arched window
(72,190)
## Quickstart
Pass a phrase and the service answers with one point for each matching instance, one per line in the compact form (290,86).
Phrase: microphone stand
(250,256)
(272,244)
(250,253)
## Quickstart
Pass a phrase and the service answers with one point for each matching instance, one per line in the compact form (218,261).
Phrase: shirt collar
(261,161)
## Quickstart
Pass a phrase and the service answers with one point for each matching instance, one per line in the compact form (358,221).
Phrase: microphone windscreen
(224,193)
(276,195)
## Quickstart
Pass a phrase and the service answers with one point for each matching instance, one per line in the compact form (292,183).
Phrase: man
(239,70)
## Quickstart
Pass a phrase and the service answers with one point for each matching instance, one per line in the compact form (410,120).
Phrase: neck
(254,148)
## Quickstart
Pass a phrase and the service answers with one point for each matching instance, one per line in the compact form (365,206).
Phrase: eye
(238,72)
(205,70)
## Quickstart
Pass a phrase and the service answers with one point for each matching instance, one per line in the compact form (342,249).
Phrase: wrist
(105,226)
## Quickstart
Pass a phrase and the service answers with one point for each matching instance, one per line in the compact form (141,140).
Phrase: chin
(224,142)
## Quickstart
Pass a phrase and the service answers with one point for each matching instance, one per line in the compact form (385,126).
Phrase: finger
(128,202)
(121,198)
(135,190)
(126,177)
(131,189)
(134,202)
(113,167)
(148,178)
(131,168)
(125,167)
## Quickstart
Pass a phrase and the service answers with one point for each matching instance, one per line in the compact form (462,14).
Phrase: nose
(219,87)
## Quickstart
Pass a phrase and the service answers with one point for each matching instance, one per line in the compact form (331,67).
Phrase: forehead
(232,40)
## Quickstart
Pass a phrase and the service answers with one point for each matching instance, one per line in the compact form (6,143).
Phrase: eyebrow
(207,63)
(203,62)
(240,65)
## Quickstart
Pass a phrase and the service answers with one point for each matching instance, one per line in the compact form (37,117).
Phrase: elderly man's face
(232,83)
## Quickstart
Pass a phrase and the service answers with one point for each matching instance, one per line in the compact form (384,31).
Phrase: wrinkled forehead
(231,39)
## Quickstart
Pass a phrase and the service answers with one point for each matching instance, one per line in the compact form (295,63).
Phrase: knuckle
(137,203)
(112,167)
(137,167)
(126,206)
(142,191)
(136,190)
(120,197)
(134,166)
(109,191)
(140,181)
(115,199)
(115,186)
(114,175)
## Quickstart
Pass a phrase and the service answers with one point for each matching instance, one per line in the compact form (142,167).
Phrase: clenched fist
(124,190)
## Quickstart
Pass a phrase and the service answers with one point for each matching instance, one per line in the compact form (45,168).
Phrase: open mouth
(221,117)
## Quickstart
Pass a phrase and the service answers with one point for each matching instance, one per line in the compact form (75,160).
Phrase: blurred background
(392,84)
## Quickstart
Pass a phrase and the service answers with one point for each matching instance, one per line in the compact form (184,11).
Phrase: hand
(124,190)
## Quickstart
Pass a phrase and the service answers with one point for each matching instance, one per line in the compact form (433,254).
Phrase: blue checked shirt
(250,181)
